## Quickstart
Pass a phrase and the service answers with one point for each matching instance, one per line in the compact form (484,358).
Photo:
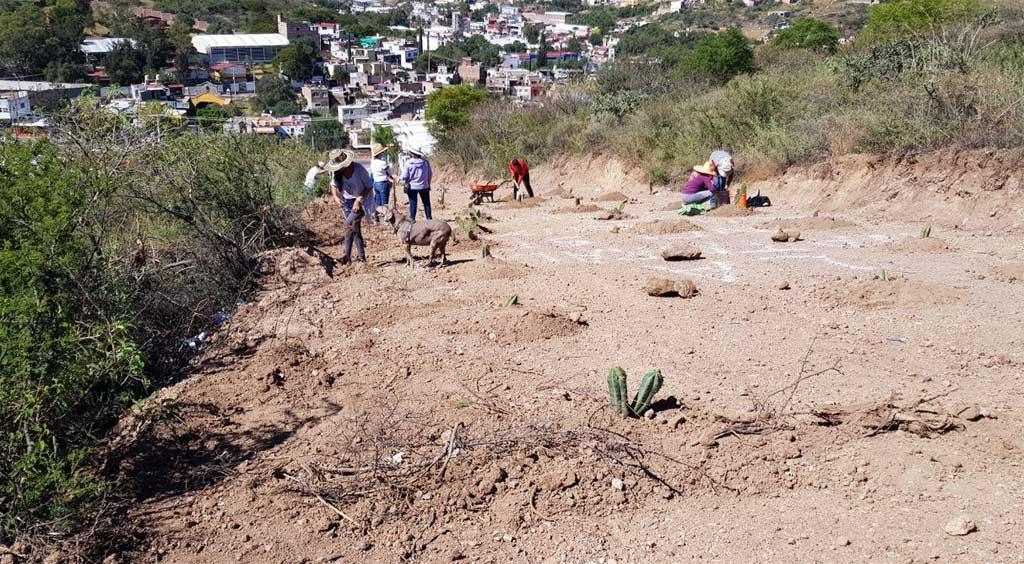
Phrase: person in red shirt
(520,176)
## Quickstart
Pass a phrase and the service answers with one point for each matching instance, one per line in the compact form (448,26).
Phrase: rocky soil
(851,396)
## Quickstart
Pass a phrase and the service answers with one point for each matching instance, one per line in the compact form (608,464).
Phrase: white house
(14,105)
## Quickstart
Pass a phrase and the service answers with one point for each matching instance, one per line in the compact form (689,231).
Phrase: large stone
(681,252)
(960,525)
(660,287)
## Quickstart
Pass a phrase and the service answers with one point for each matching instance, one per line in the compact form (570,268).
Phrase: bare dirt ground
(814,409)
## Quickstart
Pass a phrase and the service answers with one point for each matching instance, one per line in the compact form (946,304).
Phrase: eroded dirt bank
(811,411)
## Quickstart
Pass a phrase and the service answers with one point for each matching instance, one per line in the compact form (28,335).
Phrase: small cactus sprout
(512,300)
(926,232)
(645,395)
(617,391)
(485,252)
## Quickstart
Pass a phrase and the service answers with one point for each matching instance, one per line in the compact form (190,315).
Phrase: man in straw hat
(417,176)
(350,186)
(380,171)
(700,188)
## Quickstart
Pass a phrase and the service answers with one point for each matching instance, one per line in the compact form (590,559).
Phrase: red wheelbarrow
(483,191)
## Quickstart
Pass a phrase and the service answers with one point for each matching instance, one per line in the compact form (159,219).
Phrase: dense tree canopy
(272,91)
(449,107)
(296,60)
(42,35)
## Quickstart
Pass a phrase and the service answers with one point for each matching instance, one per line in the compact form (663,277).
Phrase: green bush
(107,265)
(69,361)
(808,33)
(914,18)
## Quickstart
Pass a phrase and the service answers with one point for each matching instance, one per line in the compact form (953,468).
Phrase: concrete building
(318,98)
(14,106)
(470,72)
(40,95)
(255,48)
(297,30)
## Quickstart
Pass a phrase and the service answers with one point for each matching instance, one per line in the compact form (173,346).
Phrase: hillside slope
(810,411)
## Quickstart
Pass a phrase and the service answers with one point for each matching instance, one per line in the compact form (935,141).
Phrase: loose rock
(960,525)
(681,252)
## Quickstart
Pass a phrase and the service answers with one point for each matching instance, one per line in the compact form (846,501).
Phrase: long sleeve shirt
(698,183)
(417,174)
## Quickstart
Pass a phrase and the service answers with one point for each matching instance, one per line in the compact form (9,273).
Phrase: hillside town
(361,82)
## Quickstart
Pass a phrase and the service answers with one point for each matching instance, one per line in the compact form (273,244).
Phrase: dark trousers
(525,180)
(354,221)
(425,197)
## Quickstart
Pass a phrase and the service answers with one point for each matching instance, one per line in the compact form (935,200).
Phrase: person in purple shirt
(417,176)
(700,188)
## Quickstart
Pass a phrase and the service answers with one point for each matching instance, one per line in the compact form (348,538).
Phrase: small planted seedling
(617,391)
(883,276)
(468,226)
(512,300)
(926,232)
(645,395)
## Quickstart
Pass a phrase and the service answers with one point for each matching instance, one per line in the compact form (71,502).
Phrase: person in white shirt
(723,174)
(383,180)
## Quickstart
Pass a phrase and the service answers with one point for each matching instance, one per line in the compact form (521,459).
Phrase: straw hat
(377,150)
(339,159)
(707,168)
(415,151)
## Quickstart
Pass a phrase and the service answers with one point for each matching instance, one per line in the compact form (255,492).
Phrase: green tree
(719,56)
(34,37)
(285,108)
(543,48)
(808,33)
(324,134)
(270,91)
(296,60)
(532,32)
(211,117)
(907,18)
(449,108)
(125,64)
(516,47)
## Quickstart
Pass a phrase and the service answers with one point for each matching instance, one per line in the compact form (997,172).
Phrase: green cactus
(617,390)
(513,300)
(650,386)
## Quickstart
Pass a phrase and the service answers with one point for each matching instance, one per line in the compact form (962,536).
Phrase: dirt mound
(582,208)
(884,294)
(492,269)
(666,227)
(672,206)
(559,193)
(510,204)
(611,197)
(731,211)
(1009,273)
(510,325)
(820,223)
(919,245)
